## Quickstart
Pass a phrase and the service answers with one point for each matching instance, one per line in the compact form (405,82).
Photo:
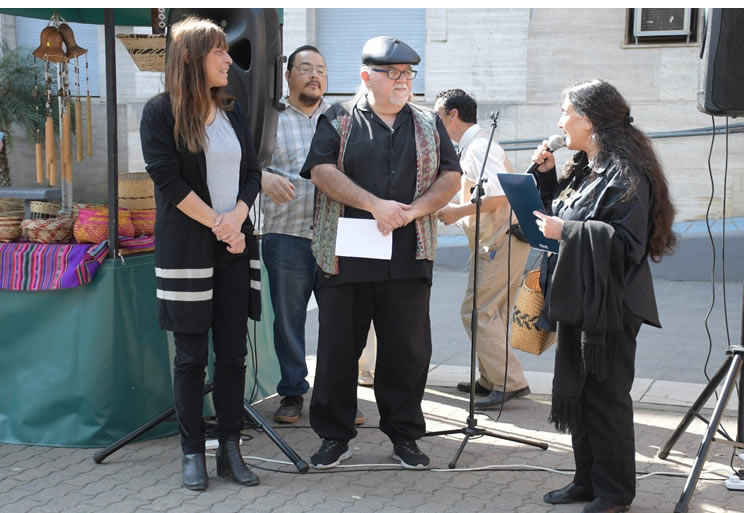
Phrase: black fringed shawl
(602,263)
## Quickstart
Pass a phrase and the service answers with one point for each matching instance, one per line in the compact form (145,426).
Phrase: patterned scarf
(328,211)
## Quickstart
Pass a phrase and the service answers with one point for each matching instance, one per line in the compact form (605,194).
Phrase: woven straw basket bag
(91,225)
(526,335)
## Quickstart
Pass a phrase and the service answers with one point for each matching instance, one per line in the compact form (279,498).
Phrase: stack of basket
(11,215)
(137,194)
(10,227)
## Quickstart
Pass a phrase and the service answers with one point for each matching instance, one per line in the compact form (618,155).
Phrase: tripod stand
(729,371)
(248,411)
(472,429)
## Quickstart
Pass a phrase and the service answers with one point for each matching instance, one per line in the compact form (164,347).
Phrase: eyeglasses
(308,69)
(394,74)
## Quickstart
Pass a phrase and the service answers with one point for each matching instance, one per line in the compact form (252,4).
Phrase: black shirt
(382,161)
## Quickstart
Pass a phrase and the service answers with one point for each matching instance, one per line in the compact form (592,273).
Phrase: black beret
(388,50)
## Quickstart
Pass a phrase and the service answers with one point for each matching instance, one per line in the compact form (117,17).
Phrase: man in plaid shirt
(287,224)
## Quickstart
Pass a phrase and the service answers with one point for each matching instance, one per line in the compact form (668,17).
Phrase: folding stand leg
(253,415)
(249,412)
(694,410)
(697,467)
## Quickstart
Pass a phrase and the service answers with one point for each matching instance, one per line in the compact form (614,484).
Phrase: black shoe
(479,389)
(604,506)
(495,397)
(289,410)
(230,463)
(330,454)
(195,472)
(409,455)
(570,494)
(360,418)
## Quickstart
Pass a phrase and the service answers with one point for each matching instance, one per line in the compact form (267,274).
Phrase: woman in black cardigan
(197,146)
(610,211)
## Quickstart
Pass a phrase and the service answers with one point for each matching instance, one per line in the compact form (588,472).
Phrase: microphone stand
(471,429)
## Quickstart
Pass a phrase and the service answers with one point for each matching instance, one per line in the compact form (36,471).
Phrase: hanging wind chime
(36,94)
(50,51)
(87,109)
(74,52)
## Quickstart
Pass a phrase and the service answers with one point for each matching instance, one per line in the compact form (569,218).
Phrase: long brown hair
(621,143)
(190,41)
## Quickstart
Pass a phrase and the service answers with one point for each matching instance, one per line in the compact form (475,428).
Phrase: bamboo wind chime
(36,94)
(50,51)
(87,109)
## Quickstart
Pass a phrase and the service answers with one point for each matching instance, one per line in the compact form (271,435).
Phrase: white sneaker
(366,379)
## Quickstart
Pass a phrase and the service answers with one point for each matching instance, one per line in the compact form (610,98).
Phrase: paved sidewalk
(493,474)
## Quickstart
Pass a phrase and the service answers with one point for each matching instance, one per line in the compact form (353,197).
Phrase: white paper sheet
(361,238)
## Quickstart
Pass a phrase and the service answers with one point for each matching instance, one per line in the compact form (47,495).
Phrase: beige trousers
(369,355)
(492,349)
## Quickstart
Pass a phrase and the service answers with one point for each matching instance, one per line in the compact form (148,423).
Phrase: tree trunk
(4,168)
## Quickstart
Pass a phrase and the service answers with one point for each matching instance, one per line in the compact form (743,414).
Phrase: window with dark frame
(658,26)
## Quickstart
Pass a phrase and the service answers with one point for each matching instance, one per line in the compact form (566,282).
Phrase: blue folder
(521,191)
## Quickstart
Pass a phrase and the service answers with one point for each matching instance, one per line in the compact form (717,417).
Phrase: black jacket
(186,252)
(626,224)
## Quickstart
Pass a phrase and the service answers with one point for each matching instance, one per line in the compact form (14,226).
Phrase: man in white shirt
(458,111)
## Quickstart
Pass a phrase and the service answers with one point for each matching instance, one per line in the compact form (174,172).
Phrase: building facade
(515,61)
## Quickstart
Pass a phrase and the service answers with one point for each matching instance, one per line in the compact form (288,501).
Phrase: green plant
(17,102)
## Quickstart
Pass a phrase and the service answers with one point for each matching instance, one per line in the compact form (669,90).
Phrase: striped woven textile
(30,266)
(130,245)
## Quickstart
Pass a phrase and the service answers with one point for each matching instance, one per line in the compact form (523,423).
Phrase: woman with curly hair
(610,209)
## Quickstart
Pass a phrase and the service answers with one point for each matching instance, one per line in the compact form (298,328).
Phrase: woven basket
(57,230)
(143,221)
(91,225)
(9,206)
(10,227)
(526,335)
(43,209)
(136,191)
(147,50)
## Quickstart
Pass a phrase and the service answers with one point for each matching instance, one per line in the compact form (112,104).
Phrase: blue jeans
(291,267)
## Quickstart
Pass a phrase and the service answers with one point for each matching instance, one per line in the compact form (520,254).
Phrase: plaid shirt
(293,137)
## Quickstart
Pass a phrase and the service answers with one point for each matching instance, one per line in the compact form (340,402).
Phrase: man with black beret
(377,157)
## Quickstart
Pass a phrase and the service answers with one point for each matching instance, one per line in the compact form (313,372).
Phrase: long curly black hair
(619,142)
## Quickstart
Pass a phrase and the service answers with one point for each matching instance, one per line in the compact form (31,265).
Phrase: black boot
(195,472)
(230,463)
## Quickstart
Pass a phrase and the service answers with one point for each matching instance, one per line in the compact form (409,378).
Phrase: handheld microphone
(554,143)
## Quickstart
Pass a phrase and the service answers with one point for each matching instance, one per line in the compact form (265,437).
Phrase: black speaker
(254,42)
(721,84)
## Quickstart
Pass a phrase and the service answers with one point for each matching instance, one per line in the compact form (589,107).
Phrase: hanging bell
(50,46)
(73,50)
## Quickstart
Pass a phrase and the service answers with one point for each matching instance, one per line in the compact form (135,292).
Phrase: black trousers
(229,330)
(604,443)
(400,312)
